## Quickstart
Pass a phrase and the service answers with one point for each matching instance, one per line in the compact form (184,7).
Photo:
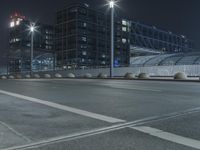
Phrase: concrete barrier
(27,76)
(71,75)
(47,76)
(11,77)
(129,75)
(57,75)
(180,76)
(102,76)
(3,77)
(87,75)
(18,76)
(37,76)
(143,76)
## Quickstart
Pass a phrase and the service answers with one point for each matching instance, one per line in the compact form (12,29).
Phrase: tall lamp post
(112,4)
(32,29)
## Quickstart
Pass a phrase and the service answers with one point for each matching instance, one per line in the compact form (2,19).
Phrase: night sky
(178,16)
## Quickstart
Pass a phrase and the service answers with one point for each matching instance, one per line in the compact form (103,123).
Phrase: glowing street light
(112,4)
(32,29)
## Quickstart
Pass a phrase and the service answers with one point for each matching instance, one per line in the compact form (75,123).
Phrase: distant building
(20,42)
(83,38)
(145,40)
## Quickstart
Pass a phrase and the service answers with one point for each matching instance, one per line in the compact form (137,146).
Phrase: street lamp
(112,4)
(32,29)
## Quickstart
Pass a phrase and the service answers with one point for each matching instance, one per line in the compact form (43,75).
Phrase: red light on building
(16,19)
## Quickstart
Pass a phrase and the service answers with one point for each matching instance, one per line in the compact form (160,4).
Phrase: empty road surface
(91,114)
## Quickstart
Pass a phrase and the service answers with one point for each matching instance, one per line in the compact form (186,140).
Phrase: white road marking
(103,130)
(169,136)
(65,108)
(79,135)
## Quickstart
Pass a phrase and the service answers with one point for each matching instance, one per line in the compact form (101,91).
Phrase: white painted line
(169,136)
(79,135)
(65,108)
(96,131)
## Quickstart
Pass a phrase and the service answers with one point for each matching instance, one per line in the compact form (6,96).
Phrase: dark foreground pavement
(83,114)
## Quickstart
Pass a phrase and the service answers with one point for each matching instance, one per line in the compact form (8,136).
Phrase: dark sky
(179,16)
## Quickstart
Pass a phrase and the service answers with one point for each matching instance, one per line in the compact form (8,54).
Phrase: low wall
(190,70)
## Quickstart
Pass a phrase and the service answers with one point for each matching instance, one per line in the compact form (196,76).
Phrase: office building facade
(20,43)
(83,38)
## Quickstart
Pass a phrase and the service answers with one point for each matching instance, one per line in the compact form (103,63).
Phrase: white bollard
(143,76)
(180,76)
(71,75)
(57,75)
(37,76)
(102,76)
(87,75)
(47,76)
(11,77)
(129,75)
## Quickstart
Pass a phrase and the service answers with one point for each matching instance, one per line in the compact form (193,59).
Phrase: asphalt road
(89,114)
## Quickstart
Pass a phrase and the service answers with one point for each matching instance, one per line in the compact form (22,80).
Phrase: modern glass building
(83,38)
(149,39)
(20,43)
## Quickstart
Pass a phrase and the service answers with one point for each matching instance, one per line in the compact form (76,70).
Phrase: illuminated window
(17,40)
(84,53)
(17,22)
(83,46)
(124,40)
(124,29)
(85,24)
(84,39)
(124,22)
(12,24)
(103,62)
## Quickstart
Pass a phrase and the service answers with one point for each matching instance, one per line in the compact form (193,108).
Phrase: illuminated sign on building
(16,19)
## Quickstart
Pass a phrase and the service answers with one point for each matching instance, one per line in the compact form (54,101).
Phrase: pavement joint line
(14,131)
(116,127)
(115,85)
(79,135)
(65,108)
(169,136)
(138,89)
(119,86)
